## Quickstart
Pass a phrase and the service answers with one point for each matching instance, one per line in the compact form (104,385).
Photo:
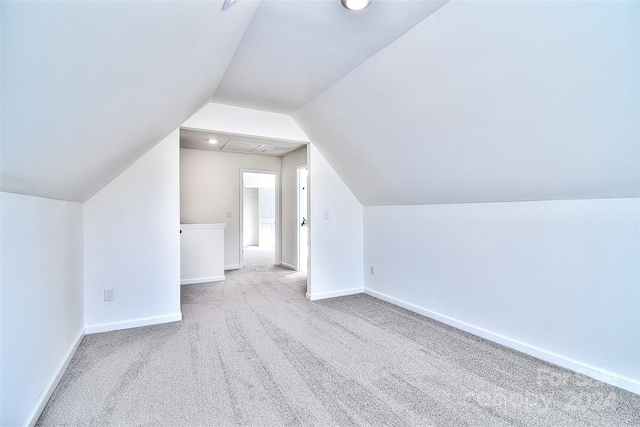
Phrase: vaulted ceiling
(294,50)
(88,87)
(410,101)
(489,101)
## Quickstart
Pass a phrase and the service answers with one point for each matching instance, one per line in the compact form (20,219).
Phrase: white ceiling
(199,140)
(88,87)
(490,101)
(478,101)
(294,50)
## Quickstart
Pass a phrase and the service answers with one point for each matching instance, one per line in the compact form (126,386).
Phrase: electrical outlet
(372,270)
(108,294)
(228,214)
(326,215)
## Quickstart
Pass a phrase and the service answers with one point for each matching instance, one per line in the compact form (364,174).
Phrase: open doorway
(259,222)
(303,218)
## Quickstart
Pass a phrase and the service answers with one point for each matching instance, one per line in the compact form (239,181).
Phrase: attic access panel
(199,140)
(277,151)
(236,146)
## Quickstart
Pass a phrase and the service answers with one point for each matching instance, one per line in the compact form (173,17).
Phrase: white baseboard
(333,294)
(53,383)
(232,267)
(202,280)
(599,374)
(289,266)
(134,323)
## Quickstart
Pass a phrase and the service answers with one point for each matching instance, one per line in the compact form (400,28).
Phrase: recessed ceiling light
(356,4)
(212,141)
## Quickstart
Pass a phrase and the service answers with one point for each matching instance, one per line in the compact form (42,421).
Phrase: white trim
(299,220)
(289,266)
(310,227)
(232,267)
(133,323)
(202,280)
(199,226)
(333,294)
(53,383)
(599,374)
(266,139)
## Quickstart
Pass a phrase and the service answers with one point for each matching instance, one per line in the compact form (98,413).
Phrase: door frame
(298,260)
(276,173)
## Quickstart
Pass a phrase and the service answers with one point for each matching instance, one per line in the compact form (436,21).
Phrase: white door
(303,219)
(267,221)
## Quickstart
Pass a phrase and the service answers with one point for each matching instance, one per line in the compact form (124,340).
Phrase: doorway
(259,223)
(303,218)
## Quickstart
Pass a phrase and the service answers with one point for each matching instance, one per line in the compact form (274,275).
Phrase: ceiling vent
(277,150)
(240,146)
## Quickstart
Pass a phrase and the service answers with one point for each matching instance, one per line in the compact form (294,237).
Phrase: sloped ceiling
(491,101)
(293,50)
(88,87)
(411,102)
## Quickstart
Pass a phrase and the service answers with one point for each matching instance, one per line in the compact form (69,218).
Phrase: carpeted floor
(253,351)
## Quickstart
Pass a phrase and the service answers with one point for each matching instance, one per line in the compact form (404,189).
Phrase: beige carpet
(253,351)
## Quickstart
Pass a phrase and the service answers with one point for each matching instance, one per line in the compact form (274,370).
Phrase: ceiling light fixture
(356,4)
(228,3)
(212,141)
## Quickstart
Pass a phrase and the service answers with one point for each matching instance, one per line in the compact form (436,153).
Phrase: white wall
(258,180)
(289,228)
(210,186)
(489,101)
(336,244)
(132,244)
(556,279)
(201,253)
(250,216)
(41,315)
